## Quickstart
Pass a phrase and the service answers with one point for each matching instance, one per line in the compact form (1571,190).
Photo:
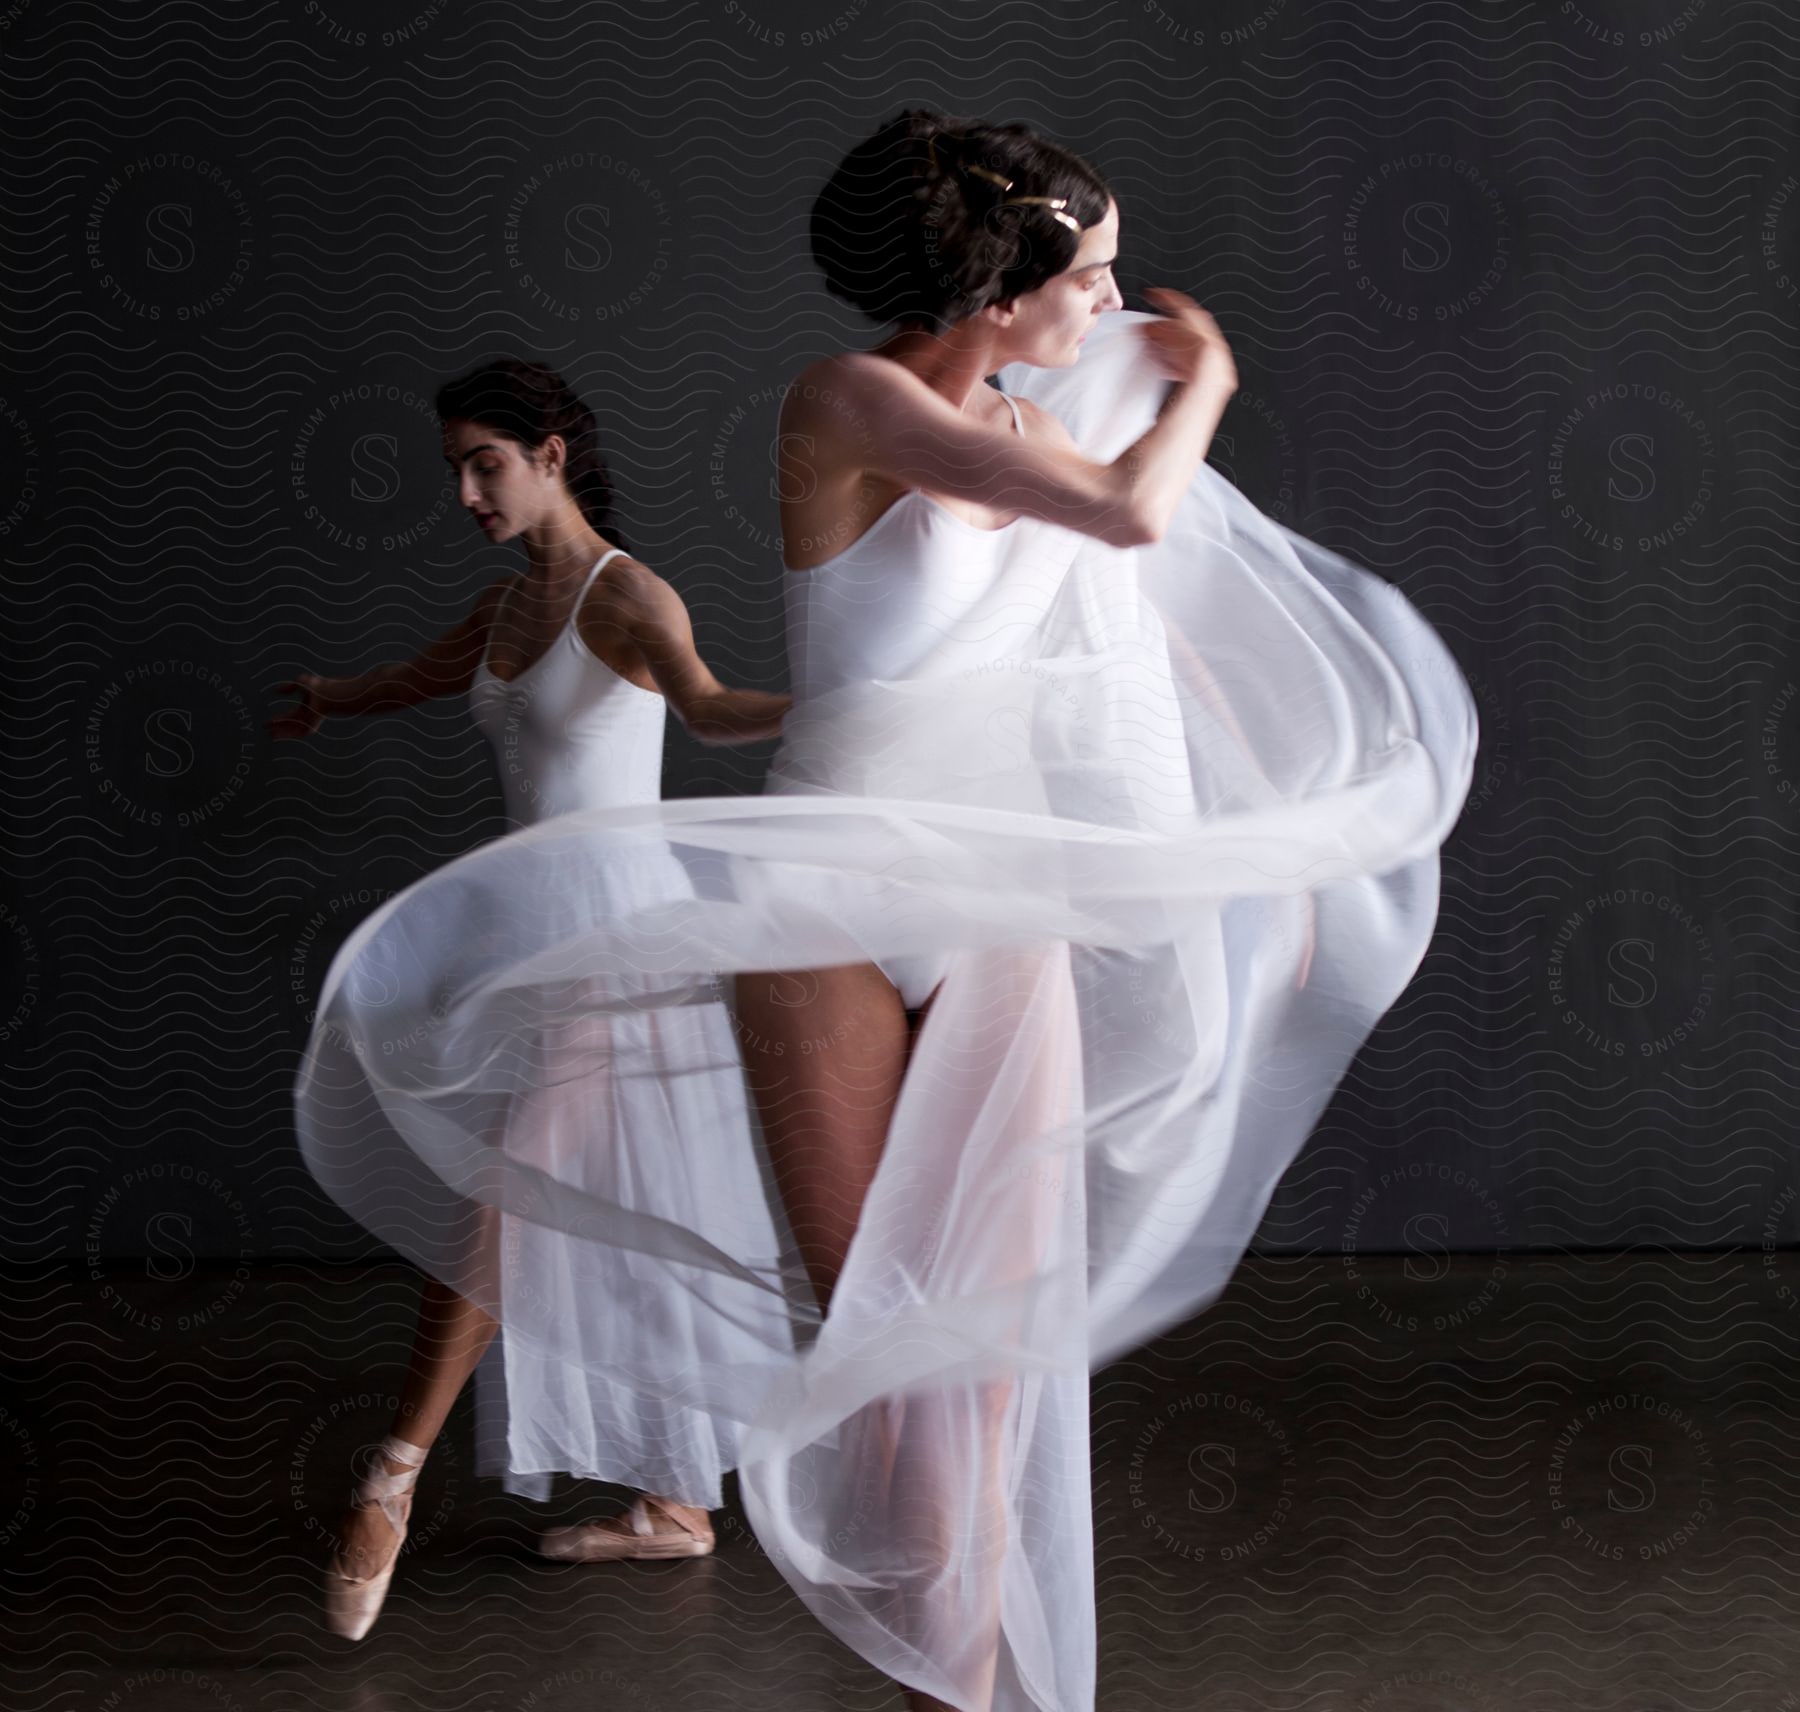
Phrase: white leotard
(881,608)
(570,733)
(889,606)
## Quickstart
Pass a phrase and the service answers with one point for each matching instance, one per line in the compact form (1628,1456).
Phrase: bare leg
(451,1337)
(825,1052)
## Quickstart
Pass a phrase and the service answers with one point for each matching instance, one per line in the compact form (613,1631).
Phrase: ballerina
(570,669)
(1103,830)
(926,422)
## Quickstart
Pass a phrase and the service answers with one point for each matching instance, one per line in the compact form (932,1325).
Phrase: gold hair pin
(1056,204)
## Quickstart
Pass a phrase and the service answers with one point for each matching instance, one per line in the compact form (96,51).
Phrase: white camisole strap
(600,564)
(605,558)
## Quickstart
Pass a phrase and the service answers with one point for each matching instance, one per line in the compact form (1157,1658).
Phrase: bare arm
(650,611)
(899,428)
(444,667)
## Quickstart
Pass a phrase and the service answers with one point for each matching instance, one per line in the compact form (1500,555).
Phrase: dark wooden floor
(1542,1483)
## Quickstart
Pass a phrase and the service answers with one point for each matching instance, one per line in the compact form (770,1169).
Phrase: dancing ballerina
(1103,830)
(570,668)
(909,473)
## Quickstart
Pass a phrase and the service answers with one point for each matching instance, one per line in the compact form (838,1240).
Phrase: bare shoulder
(847,368)
(628,599)
(626,611)
(835,391)
(624,583)
(1043,425)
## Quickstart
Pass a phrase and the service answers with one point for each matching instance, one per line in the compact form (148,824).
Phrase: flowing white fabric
(569,733)
(1168,818)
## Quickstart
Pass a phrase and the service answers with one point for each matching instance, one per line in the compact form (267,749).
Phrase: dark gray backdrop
(1511,291)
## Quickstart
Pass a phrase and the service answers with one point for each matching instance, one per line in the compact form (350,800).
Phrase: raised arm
(444,667)
(632,597)
(885,420)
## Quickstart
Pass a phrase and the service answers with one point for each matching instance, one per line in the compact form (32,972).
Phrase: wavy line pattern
(1512,292)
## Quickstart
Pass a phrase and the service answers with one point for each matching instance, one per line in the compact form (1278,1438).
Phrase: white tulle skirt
(1170,829)
(606,1399)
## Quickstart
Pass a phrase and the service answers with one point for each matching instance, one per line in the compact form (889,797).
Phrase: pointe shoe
(633,1535)
(352,1603)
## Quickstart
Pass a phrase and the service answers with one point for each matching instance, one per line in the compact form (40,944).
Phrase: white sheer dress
(1165,821)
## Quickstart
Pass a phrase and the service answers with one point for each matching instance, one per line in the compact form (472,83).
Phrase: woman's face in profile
(1049,323)
(498,482)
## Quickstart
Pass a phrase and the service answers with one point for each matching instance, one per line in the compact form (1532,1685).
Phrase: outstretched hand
(304,720)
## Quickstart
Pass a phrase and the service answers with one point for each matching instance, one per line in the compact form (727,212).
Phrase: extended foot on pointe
(369,1540)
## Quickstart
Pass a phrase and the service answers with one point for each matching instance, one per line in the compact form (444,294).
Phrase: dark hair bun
(528,401)
(908,228)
